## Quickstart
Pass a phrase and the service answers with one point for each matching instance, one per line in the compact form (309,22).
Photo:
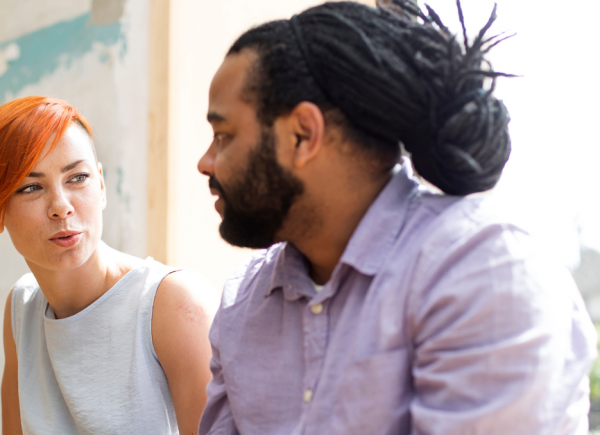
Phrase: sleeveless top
(95,372)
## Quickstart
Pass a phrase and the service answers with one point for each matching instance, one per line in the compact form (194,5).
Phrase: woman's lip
(64,234)
(68,241)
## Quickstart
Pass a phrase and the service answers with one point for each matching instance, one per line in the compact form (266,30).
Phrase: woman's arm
(184,308)
(11,414)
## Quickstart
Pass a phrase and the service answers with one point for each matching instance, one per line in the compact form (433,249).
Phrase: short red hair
(26,124)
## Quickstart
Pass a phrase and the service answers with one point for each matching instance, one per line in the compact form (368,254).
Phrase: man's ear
(305,126)
(102,185)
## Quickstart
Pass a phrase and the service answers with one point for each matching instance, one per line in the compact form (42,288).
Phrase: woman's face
(54,218)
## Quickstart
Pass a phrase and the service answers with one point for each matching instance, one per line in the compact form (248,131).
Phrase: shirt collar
(379,228)
(290,273)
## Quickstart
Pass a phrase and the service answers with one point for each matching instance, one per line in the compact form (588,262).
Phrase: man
(378,306)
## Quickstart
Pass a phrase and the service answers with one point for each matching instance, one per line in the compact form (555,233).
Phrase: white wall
(551,182)
(203,33)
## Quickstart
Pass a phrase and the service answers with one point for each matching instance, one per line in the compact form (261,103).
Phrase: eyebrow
(214,117)
(63,170)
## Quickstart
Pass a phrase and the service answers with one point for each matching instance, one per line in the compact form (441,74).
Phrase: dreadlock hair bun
(393,76)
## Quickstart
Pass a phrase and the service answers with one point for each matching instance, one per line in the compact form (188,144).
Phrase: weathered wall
(93,54)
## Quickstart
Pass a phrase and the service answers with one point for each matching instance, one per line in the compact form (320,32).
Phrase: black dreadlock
(389,75)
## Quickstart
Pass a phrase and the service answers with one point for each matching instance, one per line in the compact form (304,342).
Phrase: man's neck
(342,210)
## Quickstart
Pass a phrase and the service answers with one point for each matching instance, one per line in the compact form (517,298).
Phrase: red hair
(26,124)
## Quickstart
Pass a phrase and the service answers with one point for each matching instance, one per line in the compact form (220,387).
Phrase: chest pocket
(374,396)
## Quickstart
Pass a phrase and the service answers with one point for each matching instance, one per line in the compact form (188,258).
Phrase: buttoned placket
(316,331)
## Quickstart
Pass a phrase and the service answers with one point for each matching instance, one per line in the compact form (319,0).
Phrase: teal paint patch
(44,50)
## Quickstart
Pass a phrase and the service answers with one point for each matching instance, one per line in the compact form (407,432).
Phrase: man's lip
(218,204)
(215,192)
(64,234)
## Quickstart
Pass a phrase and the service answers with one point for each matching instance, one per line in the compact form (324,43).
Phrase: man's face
(254,191)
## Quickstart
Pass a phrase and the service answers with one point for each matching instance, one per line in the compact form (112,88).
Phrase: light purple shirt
(440,318)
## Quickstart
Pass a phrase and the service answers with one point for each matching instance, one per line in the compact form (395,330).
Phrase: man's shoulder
(475,251)
(452,235)
(467,221)
(254,274)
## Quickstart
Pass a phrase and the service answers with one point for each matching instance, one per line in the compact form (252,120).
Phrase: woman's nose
(60,207)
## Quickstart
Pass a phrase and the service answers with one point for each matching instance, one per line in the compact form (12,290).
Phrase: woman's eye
(79,178)
(30,189)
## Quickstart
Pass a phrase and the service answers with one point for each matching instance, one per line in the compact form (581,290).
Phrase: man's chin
(246,236)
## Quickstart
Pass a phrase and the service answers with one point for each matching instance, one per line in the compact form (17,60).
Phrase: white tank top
(95,372)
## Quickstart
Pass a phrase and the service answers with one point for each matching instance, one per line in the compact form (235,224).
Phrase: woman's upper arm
(11,415)
(184,308)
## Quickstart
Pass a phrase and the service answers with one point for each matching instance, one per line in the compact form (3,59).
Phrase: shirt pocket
(374,396)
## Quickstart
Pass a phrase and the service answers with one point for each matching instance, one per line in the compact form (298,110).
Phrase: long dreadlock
(389,75)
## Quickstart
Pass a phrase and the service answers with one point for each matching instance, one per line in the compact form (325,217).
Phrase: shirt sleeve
(502,342)
(217,418)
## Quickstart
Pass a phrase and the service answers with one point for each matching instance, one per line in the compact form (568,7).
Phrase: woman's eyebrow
(63,170)
(71,166)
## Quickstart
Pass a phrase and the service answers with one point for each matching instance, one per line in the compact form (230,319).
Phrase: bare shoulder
(8,310)
(10,350)
(186,293)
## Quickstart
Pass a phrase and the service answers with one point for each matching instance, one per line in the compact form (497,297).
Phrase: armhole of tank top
(165,273)
(13,317)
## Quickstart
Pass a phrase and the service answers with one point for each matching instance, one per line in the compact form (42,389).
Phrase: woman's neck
(70,291)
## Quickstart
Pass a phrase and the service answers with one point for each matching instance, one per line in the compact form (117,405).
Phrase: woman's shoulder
(186,283)
(26,289)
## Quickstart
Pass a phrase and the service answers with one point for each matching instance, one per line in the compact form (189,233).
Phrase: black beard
(257,203)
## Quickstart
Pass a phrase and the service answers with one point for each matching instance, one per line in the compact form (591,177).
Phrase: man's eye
(80,178)
(219,138)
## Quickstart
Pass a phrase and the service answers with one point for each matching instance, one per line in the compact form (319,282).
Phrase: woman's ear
(102,185)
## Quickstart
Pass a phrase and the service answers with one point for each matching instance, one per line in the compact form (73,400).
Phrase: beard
(258,202)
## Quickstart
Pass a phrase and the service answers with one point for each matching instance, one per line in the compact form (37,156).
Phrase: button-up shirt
(440,318)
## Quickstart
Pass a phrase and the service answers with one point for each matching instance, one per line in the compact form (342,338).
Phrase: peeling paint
(107,11)
(43,51)
(10,53)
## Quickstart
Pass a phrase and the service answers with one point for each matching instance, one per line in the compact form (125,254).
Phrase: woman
(96,341)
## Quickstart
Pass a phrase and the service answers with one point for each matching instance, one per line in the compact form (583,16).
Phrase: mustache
(214,184)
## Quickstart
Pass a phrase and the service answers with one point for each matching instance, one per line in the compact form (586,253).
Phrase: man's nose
(206,164)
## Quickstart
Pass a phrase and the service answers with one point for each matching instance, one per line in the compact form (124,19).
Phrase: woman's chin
(68,259)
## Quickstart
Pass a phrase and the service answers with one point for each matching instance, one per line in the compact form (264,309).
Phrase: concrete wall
(93,54)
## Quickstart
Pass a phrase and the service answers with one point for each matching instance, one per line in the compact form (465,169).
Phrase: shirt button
(308,395)
(317,309)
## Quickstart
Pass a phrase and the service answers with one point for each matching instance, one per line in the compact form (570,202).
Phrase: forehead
(75,144)
(229,84)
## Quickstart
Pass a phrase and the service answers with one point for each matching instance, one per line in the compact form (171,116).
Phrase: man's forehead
(228,84)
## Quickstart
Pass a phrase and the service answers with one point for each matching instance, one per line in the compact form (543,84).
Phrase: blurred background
(140,70)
